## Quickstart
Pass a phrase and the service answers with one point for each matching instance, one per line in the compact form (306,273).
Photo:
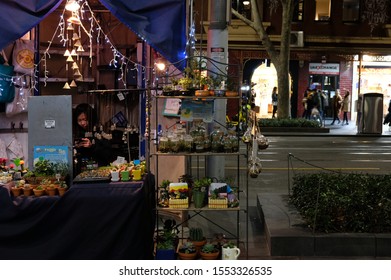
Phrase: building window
(351,10)
(322,12)
(299,11)
(243,7)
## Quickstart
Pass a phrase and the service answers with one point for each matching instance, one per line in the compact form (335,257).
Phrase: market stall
(113,220)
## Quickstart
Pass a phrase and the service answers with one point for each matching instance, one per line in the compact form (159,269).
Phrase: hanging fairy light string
(119,61)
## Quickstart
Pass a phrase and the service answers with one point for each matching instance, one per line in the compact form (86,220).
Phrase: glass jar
(234,141)
(262,141)
(187,143)
(164,145)
(174,144)
(216,138)
(198,142)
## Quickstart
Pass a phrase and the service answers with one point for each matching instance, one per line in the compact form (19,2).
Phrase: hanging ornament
(75,66)
(66,86)
(73,84)
(67,53)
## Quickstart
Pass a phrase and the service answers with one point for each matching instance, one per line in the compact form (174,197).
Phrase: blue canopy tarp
(160,23)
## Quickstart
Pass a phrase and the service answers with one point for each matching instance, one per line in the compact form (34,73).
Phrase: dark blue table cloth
(113,220)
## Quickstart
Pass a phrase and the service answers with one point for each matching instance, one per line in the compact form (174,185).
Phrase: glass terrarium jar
(174,144)
(164,145)
(247,136)
(262,141)
(216,138)
(234,141)
(198,142)
(187,143)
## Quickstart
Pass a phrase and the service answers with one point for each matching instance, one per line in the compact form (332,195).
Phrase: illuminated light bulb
(67,53)
(72,6)
(66,86)
(73,84)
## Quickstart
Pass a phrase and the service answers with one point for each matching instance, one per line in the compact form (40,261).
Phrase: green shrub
(300,122)
(343,202)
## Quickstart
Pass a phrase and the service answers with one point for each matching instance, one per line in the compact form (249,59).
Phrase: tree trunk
(280,59)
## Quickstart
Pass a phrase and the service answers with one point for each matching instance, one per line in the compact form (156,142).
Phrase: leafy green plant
(202,184)
(209,248)
(187,247)
(229,244)
(338,202)
(276,122)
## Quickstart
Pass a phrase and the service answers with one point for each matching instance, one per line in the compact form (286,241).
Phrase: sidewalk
(352,129)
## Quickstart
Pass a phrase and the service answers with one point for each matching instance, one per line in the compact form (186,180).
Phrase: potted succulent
(163,193)
(62,188)
(167,241)
(196,236)
(200,189)
(230,251)
(187,251)
(39,191)
(209,251)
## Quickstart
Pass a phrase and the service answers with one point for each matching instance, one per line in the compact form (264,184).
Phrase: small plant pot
(51,191)
(27,191)
(61,191)
(187,256)
(38,192)
(16,191)
(209,256)
(198,244)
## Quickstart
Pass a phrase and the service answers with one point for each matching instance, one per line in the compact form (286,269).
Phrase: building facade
(335,45)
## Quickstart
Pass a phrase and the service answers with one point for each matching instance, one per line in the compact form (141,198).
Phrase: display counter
(113,220)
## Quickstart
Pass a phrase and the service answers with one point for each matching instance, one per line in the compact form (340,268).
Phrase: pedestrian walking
(346,107)
(274,101)
(336,105)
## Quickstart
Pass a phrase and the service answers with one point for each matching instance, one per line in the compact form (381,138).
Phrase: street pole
(217,49)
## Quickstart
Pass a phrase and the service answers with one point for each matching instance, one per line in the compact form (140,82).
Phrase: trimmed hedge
(288,123)
(337,202)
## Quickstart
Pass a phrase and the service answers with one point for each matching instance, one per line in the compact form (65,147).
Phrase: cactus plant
(196,234)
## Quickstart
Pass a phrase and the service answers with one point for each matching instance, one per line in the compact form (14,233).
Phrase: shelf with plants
(222,141)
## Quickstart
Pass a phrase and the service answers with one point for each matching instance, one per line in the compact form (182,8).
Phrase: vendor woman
(88,147)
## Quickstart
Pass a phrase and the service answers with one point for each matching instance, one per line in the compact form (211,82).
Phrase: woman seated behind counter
(88,146)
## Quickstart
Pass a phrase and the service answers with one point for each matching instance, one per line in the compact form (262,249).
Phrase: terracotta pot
(209,256)
(51,191)
(230,93)
(16,191)
(187,256)
(61,191)
(38,192)
(198,244)
(27,191)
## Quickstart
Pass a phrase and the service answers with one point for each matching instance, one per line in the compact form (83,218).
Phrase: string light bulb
(72,6)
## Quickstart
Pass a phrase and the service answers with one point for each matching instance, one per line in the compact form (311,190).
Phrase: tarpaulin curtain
(161,23)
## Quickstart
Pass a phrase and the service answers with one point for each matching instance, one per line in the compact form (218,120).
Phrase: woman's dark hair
(88,110)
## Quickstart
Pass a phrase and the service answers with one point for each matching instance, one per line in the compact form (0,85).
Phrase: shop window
(322,12)
(351,10)
(299,11)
